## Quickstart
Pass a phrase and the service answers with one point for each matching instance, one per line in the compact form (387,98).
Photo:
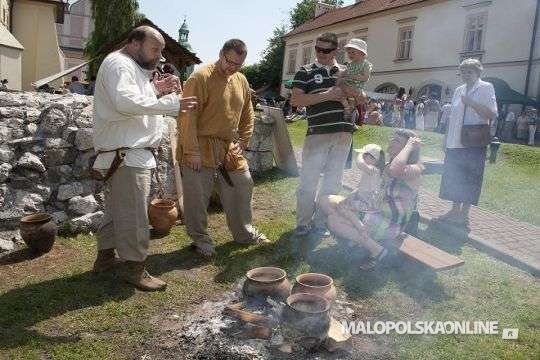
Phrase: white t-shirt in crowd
(482,92)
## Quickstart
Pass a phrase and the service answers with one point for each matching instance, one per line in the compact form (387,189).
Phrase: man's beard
(148,65)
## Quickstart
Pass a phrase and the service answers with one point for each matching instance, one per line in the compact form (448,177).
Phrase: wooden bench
(434,258)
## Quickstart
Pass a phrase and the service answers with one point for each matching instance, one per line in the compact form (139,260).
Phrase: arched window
(387,88)
(430,91)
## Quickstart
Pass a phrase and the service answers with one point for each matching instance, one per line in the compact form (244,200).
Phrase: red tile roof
(359,9)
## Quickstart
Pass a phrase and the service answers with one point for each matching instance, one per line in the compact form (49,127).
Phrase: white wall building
(74,33)
(418,44)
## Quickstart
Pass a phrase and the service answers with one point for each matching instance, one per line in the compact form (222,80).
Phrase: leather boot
(137,275)
(105,260)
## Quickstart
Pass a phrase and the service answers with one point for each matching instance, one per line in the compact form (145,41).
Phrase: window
(387,88)
(430,91)
(475,27)
(291,68)
(405,35)
(306,55)
(340,55)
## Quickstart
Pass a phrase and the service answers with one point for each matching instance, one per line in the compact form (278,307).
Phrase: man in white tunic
(128,122)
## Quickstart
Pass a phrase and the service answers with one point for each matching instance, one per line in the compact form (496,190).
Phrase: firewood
(336,339)
(246,316)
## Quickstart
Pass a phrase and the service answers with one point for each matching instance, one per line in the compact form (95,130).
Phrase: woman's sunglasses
(323,50)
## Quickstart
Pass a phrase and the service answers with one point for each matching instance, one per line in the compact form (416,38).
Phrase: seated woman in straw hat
(373,228)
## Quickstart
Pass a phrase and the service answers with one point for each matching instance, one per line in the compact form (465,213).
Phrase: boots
(136,274)
(105,260)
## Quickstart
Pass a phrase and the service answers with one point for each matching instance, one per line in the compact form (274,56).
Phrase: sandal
(373,262)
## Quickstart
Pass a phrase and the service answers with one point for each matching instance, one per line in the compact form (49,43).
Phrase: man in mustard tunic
(211,140)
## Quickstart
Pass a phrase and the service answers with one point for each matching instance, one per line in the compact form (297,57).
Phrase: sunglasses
(324,50)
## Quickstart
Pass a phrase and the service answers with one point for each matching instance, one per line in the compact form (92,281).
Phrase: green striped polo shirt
(324,117)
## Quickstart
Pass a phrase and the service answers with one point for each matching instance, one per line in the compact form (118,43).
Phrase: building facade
(418,44)
(74,33)
(33,23)
(10,50)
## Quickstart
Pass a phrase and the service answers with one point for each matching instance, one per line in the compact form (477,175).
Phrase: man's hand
(334,94)
(232,155)
(188,103)
(193,162)
(166,84)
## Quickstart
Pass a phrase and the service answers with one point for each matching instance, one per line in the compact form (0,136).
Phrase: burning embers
(269,311)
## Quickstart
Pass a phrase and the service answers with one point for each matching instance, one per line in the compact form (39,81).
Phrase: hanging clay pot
(162,214)
(38,232)
(317,284)
(306,319)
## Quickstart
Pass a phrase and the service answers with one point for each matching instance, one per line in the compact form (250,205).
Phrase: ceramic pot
(267,281)
(38,232)
(317,284)
(306,319)
(162,214)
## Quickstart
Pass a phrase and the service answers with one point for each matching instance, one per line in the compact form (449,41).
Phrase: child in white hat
(370,162)
(367,196)
(353,80)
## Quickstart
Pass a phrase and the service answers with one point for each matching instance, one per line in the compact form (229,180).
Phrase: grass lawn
(52,307)
(509,184)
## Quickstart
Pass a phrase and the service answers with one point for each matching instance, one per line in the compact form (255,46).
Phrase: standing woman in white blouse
(473,103)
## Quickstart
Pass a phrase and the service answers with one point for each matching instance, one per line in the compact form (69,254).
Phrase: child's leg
(346,107)
(328,204)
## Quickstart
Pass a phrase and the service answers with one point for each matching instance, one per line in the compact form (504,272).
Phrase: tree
(111,18)
(254,75)
(271,64)
(305,10)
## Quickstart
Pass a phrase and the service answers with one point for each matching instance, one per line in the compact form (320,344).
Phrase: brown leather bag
(117,161)
(475,135)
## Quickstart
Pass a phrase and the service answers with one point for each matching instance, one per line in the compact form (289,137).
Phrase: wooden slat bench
(427,254)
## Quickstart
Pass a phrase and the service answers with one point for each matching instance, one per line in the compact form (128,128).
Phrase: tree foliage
(305,10)
(272,61)
(254,75)
(270,67)
(111,19)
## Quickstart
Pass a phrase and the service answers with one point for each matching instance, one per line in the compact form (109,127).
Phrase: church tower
(183,39)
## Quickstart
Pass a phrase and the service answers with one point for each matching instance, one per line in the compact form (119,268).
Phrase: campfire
(306,319)
(267,318)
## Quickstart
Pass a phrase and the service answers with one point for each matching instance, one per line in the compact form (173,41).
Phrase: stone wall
(45,144)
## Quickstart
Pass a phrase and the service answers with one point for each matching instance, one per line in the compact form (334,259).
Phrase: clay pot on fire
(267,282)
(317,284)
(38,231)
(306,319)
(162,214)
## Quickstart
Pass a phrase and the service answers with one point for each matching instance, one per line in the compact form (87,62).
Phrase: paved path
(513,241)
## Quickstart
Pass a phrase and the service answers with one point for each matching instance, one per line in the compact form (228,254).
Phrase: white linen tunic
(127,112)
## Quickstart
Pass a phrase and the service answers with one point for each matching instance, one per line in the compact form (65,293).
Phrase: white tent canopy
(48,79)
